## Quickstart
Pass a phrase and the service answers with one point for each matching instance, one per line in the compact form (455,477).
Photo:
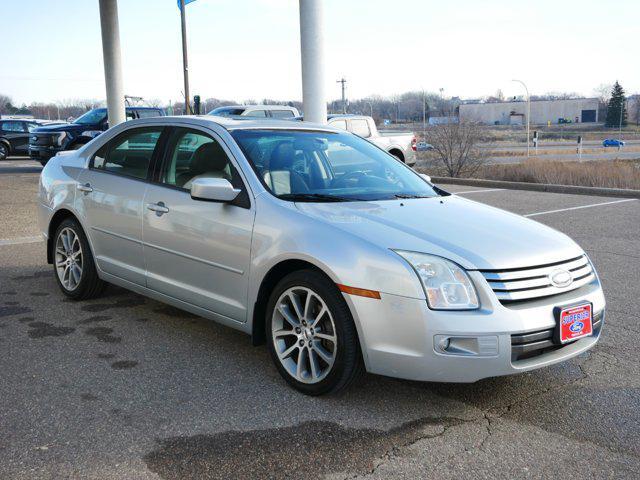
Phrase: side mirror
(426,177)
(213,190)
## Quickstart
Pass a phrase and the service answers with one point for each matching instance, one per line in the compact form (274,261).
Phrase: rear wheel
(4,151)
(73,262)
(311,335)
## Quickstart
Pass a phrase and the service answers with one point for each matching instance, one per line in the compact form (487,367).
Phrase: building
(576,110)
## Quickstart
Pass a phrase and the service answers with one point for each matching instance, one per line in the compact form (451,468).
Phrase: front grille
(40,139)
(517,284)
(532,344)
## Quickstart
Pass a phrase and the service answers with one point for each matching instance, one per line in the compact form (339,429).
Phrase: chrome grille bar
(534,282)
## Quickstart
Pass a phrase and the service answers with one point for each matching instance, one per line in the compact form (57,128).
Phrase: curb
(540,187)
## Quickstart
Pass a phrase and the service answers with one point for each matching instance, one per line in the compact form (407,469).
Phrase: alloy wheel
(304,335)
(69,259)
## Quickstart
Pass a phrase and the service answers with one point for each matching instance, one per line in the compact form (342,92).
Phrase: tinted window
(32,126)
(326,166)
(92,117)
(194,155)
(130,153)
(226,111)
(148,113)
(282,113)
(360,128)
(256,113)
(13,127)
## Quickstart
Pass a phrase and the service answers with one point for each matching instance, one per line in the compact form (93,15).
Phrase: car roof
(345,115)
(261,107)
(238,123)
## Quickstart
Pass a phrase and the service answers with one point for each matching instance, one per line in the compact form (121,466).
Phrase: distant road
(555,145)
(605,155)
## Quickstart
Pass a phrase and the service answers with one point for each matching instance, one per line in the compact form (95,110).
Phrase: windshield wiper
(315,197)
(408,195)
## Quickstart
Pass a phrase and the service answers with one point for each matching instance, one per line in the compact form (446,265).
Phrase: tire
(302,350)
(4,151)
(75,272)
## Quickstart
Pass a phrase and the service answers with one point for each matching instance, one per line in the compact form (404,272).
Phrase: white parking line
(20,240)
(480,191)
(581,206)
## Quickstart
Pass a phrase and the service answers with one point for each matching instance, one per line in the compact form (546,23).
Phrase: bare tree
(456,148)
(5,101)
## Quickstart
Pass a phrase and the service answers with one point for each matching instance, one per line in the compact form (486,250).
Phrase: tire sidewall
(88,265)
(345,328)
(4,151)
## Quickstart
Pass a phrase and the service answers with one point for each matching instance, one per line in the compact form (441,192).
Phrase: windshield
(226,111)
(92,117)
(327,166)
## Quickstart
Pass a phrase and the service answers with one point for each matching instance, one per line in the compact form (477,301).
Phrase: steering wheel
(341,181)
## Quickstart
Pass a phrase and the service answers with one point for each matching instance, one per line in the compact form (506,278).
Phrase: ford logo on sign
(560,278)
(576,327)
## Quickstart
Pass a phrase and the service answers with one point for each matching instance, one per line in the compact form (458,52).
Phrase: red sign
(575,322)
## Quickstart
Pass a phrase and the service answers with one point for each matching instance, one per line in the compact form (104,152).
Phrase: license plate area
(573,322)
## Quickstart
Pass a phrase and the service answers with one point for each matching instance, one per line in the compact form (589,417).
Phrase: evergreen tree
(617,104)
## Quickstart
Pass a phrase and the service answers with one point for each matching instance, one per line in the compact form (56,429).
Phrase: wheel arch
(396,152)
(57,218)
(276,273)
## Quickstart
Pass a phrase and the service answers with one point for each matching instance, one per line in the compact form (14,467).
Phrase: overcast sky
(250,49)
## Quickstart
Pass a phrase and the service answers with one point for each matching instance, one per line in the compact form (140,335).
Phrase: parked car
(424,147)
(257,111)
(399,144)
(14,136)
(313,240)
(47,141)
(612,142)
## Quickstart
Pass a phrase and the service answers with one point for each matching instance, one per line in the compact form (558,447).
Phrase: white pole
(112,61)
(312,56)
(528,111)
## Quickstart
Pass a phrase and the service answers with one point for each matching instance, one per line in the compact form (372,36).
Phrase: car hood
(64,127)
(472,234)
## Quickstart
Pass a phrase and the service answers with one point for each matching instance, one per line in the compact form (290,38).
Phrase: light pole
(528,110)
(424,116)
(442,100)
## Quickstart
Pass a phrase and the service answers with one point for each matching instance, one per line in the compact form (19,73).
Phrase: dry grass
(612,174)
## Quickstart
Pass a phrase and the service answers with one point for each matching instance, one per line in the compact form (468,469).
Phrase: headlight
(447,285)
(57,138)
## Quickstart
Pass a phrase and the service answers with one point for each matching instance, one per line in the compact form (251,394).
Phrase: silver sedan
(314,241)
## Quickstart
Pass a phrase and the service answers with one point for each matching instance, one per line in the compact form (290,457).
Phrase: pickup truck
(46,141)
(402,145)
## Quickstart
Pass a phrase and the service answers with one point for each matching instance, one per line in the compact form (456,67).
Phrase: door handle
(86,188)
(159,208)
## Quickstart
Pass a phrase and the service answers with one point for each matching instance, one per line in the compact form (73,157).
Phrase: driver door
(198,251)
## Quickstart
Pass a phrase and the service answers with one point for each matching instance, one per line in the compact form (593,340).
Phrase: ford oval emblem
(576,327)
(560,278)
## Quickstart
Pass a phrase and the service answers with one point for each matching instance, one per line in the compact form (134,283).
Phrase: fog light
(468,346)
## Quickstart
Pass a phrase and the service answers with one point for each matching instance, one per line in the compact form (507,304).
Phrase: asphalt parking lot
(126,387)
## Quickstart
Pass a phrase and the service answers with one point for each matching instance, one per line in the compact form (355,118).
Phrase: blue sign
(185,2)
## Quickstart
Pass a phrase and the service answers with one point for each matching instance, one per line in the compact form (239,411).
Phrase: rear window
(361,128)
(148,113)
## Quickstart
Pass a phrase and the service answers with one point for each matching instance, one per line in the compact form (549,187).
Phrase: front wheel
(73,262)
(4,151)
(311,334)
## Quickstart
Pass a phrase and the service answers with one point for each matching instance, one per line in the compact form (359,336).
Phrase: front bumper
(43,153)
(400,336)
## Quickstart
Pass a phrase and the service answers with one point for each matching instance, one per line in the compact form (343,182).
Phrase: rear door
(111,192)
(15,131)
(198,251)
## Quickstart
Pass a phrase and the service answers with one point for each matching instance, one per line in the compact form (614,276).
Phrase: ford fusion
(314,241)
